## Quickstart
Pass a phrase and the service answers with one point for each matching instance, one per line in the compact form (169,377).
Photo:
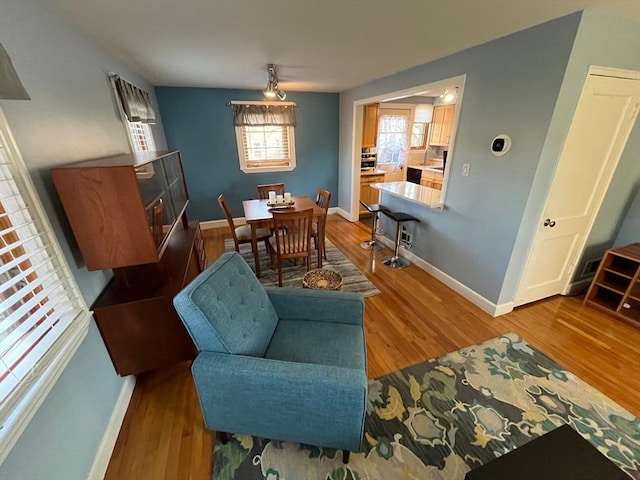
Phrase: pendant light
(272,90)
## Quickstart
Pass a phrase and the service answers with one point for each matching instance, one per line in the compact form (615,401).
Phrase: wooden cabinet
(616,285)
(122,209)
(367,194)
(135,313)
(442,125)
(431,179)
(370,125)
(124,212)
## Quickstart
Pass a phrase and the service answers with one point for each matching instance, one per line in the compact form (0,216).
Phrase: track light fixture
(272,90)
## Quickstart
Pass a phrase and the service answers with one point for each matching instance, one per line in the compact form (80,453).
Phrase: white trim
(356,144)
(347,215)
(471,295)
(69,340)
(103,456)
(613,72)
(14,427)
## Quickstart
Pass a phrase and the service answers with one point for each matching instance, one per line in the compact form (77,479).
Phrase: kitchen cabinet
(431,179)
(442,125)
(369,195)
(370,125)
(616,285)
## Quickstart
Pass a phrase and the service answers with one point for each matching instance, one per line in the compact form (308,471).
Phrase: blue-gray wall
(607,40)
(199,123)
(71,117)
(512,85)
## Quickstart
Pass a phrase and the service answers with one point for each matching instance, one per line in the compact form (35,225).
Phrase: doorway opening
(410,127)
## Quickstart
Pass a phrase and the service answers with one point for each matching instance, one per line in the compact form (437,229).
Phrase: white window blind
(43,317)
(141,136)
(265,132)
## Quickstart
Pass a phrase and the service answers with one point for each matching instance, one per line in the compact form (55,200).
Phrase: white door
(605,114)
(394,128)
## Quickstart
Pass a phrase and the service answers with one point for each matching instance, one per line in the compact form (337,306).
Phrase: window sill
(287,168)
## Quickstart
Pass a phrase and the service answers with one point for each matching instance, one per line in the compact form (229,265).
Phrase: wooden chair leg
(345,456)
(279,272)
(224,437)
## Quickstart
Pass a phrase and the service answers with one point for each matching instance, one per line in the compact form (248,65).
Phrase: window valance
(256,114)
(135,101)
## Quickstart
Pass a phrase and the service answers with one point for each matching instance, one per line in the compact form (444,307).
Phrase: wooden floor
(414,318)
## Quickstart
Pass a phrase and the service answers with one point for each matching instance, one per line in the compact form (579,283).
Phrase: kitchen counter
(429,197)
(428,168)
(372,172)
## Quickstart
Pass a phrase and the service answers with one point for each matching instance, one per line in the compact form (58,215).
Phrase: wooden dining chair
(292,238)
(323,198)
(263,190)
(242,233)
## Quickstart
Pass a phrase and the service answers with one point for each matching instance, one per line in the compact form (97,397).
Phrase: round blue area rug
(442,418)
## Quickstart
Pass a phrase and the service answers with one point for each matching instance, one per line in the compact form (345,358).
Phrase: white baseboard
(343,213)
(101,461)
(471,295)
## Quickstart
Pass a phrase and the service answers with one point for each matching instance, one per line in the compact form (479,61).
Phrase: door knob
(549,223)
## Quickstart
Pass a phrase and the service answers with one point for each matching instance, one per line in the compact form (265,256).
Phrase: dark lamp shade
(10,85)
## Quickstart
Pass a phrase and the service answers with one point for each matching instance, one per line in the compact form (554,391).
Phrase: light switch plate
(465,169)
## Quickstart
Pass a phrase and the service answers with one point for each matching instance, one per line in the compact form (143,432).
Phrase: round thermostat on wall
(500,145)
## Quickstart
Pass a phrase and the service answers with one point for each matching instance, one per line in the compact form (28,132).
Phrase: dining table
(257,214)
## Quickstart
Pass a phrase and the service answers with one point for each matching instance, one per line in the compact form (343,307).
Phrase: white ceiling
(317,45)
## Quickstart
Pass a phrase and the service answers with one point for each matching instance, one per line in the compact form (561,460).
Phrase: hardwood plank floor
(414,318)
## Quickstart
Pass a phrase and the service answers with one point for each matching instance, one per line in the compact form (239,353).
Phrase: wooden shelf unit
(128,214)
(616,286)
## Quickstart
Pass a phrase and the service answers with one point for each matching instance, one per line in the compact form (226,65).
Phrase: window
(141,136)
(136,111)
(419,132)
(265,135)
(43,317)
(393,137)
(266,148)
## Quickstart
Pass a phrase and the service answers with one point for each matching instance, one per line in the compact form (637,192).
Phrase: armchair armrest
(307,403)
(317,305)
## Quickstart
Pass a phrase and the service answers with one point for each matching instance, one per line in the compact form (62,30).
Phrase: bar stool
(399,217)
(374,209)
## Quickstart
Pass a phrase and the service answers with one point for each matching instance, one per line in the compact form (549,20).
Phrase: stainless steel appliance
(368,161)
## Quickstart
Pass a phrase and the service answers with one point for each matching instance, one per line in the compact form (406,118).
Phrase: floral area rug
(354,280)
(441,418)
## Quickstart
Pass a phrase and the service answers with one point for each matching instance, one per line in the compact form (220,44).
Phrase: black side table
(561,454)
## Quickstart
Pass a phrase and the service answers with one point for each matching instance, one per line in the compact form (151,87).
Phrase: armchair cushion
(226,309)
(322,343)
(317,305)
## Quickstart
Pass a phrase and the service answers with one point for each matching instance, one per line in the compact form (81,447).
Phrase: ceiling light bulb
(270,91)
(448,97)
(281,95)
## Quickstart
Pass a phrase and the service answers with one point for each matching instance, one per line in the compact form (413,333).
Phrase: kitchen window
(43,317)
(393,137)
(265,136)
(419,132)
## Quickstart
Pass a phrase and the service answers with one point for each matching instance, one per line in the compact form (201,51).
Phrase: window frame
(242,154)
(424,134)
(18,409)
(136,130)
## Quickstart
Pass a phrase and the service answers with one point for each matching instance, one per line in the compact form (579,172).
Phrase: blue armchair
(279,363)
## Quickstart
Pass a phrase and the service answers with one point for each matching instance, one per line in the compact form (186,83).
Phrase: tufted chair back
(227,310)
